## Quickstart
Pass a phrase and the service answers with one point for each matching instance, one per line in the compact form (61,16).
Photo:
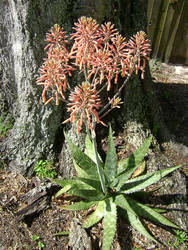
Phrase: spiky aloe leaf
(122,202)
(89,150)
(110,220)
(141,182)
(88,194)
(83,160)
(66,184)
(136,223)
(80,172)
(110,166)
(93,183)
(63,190)
(81,205)
(149,213)
(159,210)
(96,216)
(126,167)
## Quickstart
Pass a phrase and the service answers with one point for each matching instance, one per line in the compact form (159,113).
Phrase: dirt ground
(37,231)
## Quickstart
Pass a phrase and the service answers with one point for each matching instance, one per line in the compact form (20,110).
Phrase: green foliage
(121,183)
(6,123)
(179,239)
(44,169)
(39,243)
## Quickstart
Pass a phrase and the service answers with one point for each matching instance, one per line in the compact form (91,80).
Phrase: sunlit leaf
(93,183)
(149,213)
(141,182)
(88,194)
(83,160)
(96,216)
(110,219)
(81,205)
(126,167)
(136,223)
(110,167)
(89,150)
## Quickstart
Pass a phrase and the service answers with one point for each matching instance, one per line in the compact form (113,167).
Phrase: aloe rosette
(120,188)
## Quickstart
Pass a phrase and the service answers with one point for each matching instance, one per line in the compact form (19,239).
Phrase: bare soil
(171,86)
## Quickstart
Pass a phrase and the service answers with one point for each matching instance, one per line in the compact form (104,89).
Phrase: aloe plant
(121,183)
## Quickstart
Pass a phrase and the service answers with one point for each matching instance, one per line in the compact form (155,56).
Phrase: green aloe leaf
(88,194)
(141,182)
(110,167)
(122,202)
(66,184)
(63,190)
(89,150)
(149,213)
(110,220)
(80,172)
(83,160)
(81,205)
(159,210)
(126,167)
(93,183)
(96,216)
(136,223)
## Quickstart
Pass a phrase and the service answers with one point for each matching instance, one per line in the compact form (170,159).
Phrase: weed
(44,169)
(39,243)
(179,239)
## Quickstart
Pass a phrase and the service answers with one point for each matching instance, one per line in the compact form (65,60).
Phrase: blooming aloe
(101,54)
(119,185)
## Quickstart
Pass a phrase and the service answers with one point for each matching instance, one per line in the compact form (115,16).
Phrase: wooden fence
(168,30)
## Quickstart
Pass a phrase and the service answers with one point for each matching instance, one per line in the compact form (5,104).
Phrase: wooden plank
(150,4)
(160,28)
(175,24)
(166,32)
(153,21)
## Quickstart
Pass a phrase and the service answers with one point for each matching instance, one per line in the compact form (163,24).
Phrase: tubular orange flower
(83,106)
(85,37)
(56,37)
(103,63)
(53,73)
(138,51)
(107,32)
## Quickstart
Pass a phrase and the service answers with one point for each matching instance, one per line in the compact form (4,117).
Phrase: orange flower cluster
(101,50)
(137,52)
(101,53)
(53,73)
(84,102)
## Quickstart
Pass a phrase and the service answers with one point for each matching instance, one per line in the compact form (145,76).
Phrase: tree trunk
(22,41)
